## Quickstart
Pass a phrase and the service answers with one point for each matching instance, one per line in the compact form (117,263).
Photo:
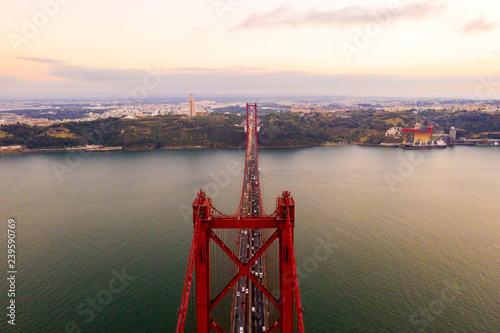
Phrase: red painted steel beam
(203,280)
(216,327)
(274,327)
(244,223)
(298,304)
(286,281)
(240,265)
(224,291)
(244,269)
(224,247)
(264,290)
(263,248)
(259,285)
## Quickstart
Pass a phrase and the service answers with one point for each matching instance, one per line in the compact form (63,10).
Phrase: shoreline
(121,149)
(107,149)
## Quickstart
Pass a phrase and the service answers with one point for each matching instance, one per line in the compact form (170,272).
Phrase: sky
(158,48)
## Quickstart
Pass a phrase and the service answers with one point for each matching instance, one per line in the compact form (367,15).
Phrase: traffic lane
(255,297)
(242,300)
(241,287)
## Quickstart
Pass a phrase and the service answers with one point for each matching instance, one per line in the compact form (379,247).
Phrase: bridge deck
(249,307)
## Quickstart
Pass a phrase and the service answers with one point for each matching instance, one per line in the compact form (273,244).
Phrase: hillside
(225,130)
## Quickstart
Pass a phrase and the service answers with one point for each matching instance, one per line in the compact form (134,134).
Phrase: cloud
(105,83)
(344,17)
(120,77)
(241,69)
(90,82)
(64,70)
(477,25)
(42,60)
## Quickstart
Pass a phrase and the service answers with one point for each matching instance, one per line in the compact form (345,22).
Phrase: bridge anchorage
(241,274)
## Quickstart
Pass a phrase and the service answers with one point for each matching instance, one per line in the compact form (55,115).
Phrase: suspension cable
(189,274)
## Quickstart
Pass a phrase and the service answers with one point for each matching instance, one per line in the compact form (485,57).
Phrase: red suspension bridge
(241,274)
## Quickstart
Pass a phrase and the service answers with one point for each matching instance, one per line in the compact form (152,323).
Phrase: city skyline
(132,49)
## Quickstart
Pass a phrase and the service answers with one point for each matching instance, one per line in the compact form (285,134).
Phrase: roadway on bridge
(249,314)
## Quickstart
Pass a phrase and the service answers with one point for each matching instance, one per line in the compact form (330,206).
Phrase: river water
(387,240)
